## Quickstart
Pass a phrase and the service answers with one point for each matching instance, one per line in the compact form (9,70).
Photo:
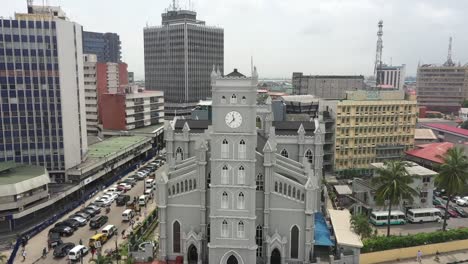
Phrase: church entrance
(192,255)
(232,260)
(275,257)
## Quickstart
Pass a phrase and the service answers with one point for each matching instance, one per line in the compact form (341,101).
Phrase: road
(37,243)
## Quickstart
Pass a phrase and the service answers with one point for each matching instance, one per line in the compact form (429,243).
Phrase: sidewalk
(444,258)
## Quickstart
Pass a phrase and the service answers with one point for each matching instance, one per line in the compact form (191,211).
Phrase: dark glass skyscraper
(179,57)
(105,45)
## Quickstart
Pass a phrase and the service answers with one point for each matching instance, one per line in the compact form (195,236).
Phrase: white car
(77,252)
(462,202)
(103,202)
(82,221)
(126,186)
(110,196)
(148,191)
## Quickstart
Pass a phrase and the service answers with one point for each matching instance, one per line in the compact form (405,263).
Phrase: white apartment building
(392,76)
(90,80)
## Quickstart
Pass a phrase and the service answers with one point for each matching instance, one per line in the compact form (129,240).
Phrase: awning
(321,234)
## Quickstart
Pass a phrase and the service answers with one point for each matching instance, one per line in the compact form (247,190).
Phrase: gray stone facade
(244,192)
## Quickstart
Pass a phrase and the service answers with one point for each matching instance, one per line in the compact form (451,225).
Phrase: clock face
(233,119)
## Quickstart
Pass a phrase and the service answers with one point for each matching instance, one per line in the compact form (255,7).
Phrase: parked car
(103,202)
(98,221)
(54,239)
(126,186)
(436,201)
(110,196)
(455,198)
(77,252)
(122,200)
(82,214)
(138,177)
(62,230)
(82,221)
(89,211)
(451,212)
(148,191)
(122,188)
(443,215)
(71,223)
(63,249)
(462,202)
(109,231)
(460,211)
(66,224)
(142,246)
(130,180)
(95,208)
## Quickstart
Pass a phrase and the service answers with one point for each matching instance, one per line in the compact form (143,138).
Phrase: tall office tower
(90,82)
(326,86)
(442,87)
(43,119)
(105,45)
(179,56)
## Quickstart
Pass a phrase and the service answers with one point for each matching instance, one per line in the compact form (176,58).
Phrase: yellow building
(372,126)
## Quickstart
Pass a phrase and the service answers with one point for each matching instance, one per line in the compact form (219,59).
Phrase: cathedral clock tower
(232,189)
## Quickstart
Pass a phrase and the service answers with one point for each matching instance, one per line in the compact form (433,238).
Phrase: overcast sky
(311,36)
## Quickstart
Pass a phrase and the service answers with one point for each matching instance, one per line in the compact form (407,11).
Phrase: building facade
(231,182)
(463,114)
(448,133)
(372,126)
(106,46)
(326,86)
(91,100)
(43,118)
(179,56)
(393,76)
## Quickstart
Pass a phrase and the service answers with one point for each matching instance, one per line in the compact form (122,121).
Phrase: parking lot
(35,245)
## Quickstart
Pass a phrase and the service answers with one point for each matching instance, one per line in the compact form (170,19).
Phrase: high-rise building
(106,46)
(179,56)
(372,126)
(43,118)
(91,100)
(391,77)
(326,86)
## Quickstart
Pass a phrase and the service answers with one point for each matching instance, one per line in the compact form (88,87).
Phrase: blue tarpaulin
(321,234)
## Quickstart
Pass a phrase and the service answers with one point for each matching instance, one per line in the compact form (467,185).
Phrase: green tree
(453,175)
(464,125)
(101,260)
(361,225)
(465,103)
(3,258)
(393,185)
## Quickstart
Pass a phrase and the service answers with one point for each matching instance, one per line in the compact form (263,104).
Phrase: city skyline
(319,37)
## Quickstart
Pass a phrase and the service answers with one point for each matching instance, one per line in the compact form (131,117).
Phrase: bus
(381,218)
(421,215)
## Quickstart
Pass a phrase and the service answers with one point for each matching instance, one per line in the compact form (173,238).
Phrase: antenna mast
(174,5)
(378,54)
(449,61)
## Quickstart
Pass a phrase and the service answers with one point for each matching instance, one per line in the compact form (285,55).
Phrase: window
(224,229)
(225,175)
(223,99)
(289,190)
(173,190)
(208,180)
(284,153)
(178,188)
(276,186)
(186,185)
(241,201)
(225,201)
(233,99)
(258,122)
(259,240)
(240,229)
(190,184)
(259,182)
(225,149)
(309,156)
(241,175)
(176,237)
(280,187)
(243,100)
(179,154)
(294,242)
(242,149)
(426,179)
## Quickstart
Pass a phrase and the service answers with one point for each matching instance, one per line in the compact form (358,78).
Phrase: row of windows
(183,186)
(233,99)
(290,191)
(241,149)
(240,201)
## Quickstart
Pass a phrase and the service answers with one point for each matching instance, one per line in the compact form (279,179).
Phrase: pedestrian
(24,254)
(44,252)
(419,256)
(81,242)
(123,233)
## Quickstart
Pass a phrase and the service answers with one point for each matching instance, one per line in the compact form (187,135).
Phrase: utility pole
(378,53)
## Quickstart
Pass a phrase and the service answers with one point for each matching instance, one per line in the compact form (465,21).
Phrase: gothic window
(298,195)
(276,186)
(243,100)
(225,149)
(208,233)
(224,229)
(232,260)
(309,156)
(208,180)
(173,190)
(225,201)
(258,122)
(242,149)
(285,190)
(190,184)
(223,99)
(186,185)
(284,153)
(194,183)
(259,240)
(241,175)
(289,190)
(178,188)
(240,229)
(302,197)
(241,201)
(294,193)
(280,187)
(259,182)
(176,237)
(294,242)
(225,175)
(233,99)
(179,154)
(169,191)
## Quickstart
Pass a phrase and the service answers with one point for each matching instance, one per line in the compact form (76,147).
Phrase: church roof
(235,73)
(291,127)
(196,126)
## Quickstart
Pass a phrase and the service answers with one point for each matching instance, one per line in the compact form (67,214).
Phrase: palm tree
(101,260)
(3,258)
(393,185)
(453,175)
(361,226)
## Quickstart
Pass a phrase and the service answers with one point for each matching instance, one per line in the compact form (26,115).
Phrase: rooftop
(424,133)
(449,129)
(432,152)
(147,129)
(345,236)
(343,189)
(112,145)
(11,173)
(464,110)
(235,73)
(413,169)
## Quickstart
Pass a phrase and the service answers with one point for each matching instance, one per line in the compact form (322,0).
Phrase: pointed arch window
(259,240)
(208,180)
(179,154)
(294,192)
(234,99)
(309,156)
(225,175)
(176,237)
(240,230)
(223,99)
(169,191)
(259,182)
(241,201)
(289,190)
(298,196)
(243,100)
(242,149)
(178,190)
(284,153)
(280,187)
(173,190)
(190,185)
(241,175)
(294,242)
(186,185)
(182,186)
(225,149)
(258,122)
(194,183)
(224,229)
(225,201)
(276,186)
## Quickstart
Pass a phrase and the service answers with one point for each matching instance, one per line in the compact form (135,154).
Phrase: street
(37,243)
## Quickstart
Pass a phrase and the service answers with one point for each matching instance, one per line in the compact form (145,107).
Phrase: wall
(101,85)
(113,111)
(123,76)
(410,252)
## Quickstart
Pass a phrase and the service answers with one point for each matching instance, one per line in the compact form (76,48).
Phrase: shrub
(392,242)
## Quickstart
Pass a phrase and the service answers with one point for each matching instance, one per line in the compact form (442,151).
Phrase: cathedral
(240,188)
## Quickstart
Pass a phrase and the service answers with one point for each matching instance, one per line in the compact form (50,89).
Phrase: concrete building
(431,155)
(91,99)
(392,76)
(231,183)
(424,136)
(133,108)
(371,126)
(106,46)
(42,117)
(463,114)
(326,86)
(203,110)
(131,77)
(447,133)
(179,56)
